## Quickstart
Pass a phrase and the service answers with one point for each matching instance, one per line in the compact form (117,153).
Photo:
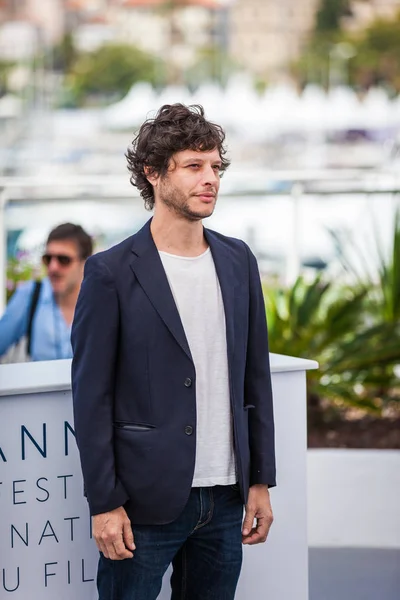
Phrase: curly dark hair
(175,127)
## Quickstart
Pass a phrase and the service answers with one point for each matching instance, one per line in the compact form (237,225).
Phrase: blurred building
(47,17)
(266,35)
(151,25)
(174,31)
(261,35)
(364,12)
(3,10)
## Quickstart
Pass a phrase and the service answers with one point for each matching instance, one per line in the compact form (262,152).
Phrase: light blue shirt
(50,333)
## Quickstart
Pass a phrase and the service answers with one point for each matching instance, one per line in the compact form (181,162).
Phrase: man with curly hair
(171,380)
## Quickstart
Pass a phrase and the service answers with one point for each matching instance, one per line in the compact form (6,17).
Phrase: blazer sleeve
(94,341)
(258,387)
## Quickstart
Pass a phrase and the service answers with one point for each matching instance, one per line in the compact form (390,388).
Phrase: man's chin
(199,215)
(58,287)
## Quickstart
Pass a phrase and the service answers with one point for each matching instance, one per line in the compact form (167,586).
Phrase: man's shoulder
(117,255)
(114,254)
(24,289)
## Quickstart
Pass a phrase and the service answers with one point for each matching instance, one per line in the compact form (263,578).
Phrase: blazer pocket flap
(133,426)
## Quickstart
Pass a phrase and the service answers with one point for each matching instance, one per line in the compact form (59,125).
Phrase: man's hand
(258,507)
(113,534)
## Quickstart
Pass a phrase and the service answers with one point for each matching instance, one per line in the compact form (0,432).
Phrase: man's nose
(53,266)
(211,176)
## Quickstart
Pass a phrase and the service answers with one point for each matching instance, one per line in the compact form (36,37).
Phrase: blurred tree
(212,64)
(330,13)
(5,68)
(64,54)
(375,59)
(378,55)
(314,63)
(110,71)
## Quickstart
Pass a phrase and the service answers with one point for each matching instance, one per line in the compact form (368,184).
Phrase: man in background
(42,312)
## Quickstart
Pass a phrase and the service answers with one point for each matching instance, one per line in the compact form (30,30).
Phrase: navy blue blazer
(133,379)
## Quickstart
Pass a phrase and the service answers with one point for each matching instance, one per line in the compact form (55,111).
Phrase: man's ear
(151,175)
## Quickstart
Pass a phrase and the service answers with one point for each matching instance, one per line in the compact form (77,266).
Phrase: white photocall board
(45,534)
(46,547)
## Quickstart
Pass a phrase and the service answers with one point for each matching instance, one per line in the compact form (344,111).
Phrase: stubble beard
(69,288)
(176,201)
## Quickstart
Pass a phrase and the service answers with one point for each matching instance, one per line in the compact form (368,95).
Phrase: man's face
(65,266)
(190,187)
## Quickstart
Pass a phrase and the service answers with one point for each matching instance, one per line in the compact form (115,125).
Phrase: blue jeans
(204,545)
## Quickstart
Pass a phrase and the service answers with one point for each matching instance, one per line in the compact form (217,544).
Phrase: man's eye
(216,167)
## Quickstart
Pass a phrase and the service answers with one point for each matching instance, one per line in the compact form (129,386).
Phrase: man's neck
(178,236)
(67,301)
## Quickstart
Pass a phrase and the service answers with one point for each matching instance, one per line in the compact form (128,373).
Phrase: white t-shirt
(197,294)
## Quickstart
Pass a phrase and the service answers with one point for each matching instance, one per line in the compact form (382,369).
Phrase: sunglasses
(63,259)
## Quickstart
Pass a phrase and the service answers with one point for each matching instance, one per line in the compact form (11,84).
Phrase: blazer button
(188,382)
(188,430)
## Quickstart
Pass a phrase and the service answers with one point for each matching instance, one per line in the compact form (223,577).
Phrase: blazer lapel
(150,273)
(227,281)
